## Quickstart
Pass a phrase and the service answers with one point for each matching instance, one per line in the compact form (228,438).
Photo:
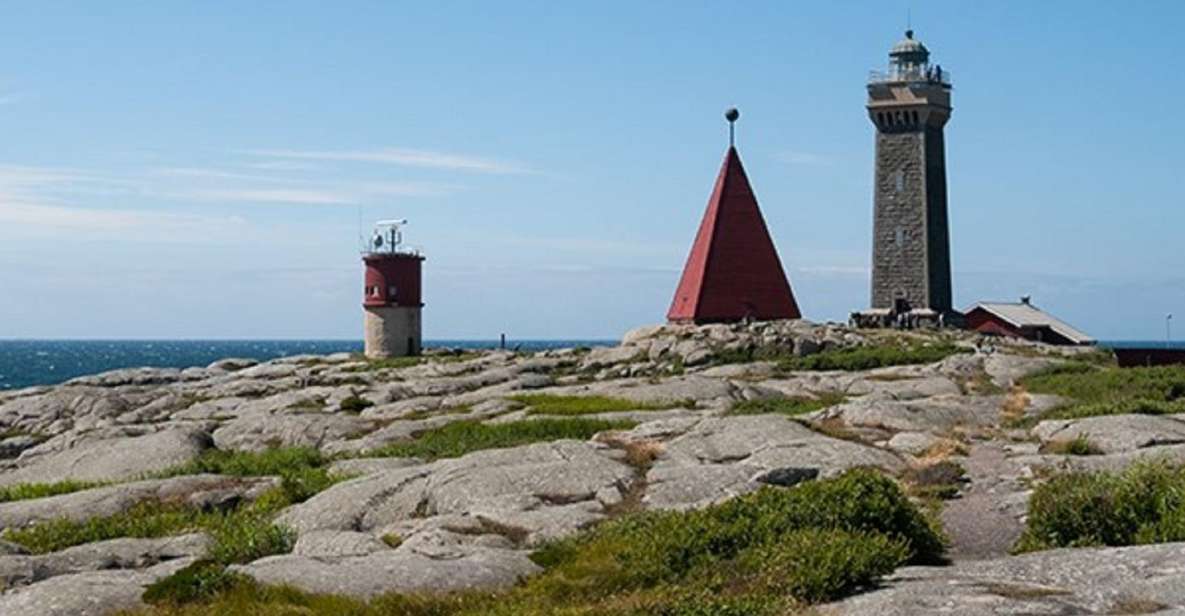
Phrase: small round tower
(392,301)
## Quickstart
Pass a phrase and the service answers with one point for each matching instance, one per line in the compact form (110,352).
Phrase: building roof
(1024,314)
(909,46)
(733,271)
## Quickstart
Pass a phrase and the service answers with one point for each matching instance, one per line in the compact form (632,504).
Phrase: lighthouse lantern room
(392,302)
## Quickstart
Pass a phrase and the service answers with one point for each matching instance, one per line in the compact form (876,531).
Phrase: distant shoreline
(26,363)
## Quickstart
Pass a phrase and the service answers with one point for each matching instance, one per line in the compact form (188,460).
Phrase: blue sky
(198,170)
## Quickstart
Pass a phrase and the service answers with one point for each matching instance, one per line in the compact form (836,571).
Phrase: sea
(24,363)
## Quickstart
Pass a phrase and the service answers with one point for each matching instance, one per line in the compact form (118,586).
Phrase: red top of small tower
(393,273)
(733,272)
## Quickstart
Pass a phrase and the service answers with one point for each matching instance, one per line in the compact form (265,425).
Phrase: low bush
(869,357)
(1096,391)
(786,405)
(461,437)
(763,554)
(1143,504)
(548,404)
(203,579)
(26,491)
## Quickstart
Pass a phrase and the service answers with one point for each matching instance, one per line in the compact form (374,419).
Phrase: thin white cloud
(50,217)
(268,195)
(204,184)
(402,157)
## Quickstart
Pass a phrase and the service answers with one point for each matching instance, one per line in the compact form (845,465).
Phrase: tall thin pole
(1168,331)
(731,115)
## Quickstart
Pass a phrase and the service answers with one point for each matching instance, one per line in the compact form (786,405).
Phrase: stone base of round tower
(391,331)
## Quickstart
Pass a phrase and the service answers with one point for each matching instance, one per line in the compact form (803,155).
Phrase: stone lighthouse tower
(910,104)
(392,300)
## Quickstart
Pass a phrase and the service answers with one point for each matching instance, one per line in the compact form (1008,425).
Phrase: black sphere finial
(909,34)
(731,115)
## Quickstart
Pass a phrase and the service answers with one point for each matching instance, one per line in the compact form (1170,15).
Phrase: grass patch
(461,437)
(548,404)
(787,405)
(1095,391)
(203,579)
(1143,504)
(241,535)
(870,357)
(1078,446)
(385,363)
(763,554)
(303,471)
(27,491)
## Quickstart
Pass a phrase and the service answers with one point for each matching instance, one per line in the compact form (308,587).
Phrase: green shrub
(786,405)
(869,357)
(201,580)
(302,470)
(1143,504)
(1098,391)
(814,565)
(247,536)
(548,404)
(461,437)
(250,463)
(653,548)
(26,491)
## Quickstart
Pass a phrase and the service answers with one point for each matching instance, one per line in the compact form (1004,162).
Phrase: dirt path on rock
(983,522)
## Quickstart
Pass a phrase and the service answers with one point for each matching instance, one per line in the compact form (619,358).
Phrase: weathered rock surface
(403,569)
(722,457)
(113,459)
(1116,433)
(523,484)
(91,593)
(20,570)
(257,432)
(1133,580)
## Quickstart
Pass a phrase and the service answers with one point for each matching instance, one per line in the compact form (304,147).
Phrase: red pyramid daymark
(733,272)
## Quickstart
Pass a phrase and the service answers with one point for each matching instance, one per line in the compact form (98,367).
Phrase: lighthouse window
(900,236)
(391,291)
(899,181)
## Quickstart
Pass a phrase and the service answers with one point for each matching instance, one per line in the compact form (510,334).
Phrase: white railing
(920,74)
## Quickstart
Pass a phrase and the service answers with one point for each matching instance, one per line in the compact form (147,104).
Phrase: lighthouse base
(391,331)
